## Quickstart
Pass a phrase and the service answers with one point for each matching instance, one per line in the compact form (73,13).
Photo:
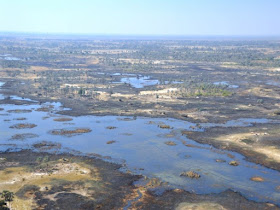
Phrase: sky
(142,17)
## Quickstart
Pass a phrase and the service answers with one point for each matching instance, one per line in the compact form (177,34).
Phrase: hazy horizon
(77,36)
(142,18)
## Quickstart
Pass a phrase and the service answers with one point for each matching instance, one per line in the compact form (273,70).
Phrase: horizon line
(139,35)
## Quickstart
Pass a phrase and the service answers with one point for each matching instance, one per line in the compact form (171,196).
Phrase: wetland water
(225,83)
(139,81)
(139,144)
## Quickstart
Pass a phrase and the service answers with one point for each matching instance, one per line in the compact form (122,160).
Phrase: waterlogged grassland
(42,180)
(173,153)
(43,177)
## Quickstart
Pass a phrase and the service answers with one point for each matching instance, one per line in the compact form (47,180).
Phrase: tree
(3,205)
(8,196)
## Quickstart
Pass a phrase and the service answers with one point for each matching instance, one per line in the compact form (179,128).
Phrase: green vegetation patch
(191,89)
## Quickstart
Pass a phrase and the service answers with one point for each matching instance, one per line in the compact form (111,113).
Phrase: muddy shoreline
(113,185)
(210,135)
(249,155)
(115,189)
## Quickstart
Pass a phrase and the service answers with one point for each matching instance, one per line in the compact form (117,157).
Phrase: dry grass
(14,178)
(257,179)
(63,119)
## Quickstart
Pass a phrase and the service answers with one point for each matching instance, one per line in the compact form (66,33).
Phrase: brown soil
(165,126)
(190,174)
(111,142)
(233,163)
(65,132)
(257,179)
(23,126)
(24,136)
(170,143)
(45,145)
(63,119)
(19,111)
(45,109)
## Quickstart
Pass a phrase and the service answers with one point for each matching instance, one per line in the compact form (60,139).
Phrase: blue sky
(137,17)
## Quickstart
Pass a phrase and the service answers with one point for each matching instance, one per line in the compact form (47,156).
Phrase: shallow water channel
(139,144)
